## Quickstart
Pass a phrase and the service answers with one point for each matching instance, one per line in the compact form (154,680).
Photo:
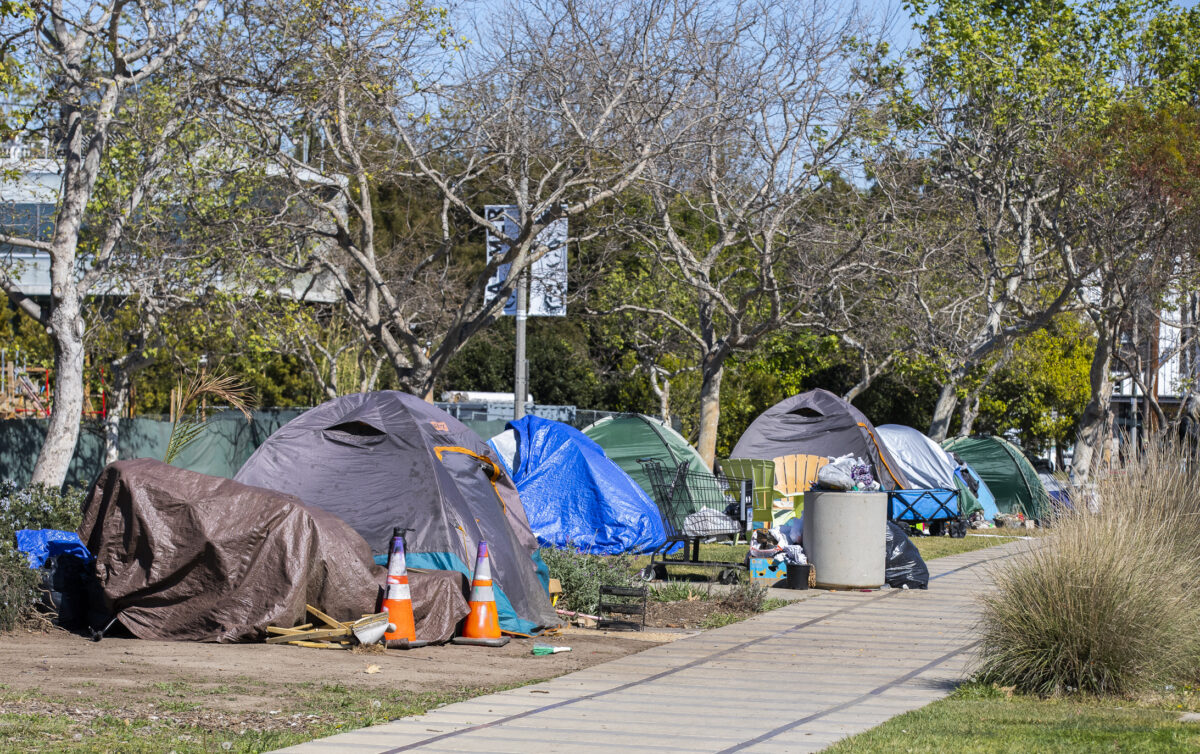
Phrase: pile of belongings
(774,544)
(1012,520)
(846,474)
(978,520)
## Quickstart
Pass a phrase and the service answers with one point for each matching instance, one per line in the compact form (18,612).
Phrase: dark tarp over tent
(630,437)
(573,494)
(185,556)
(1007,473)
(822,424)
(386,459)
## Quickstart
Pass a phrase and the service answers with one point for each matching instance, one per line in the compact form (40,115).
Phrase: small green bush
(33,508)
(38,507)
(18,585)
(582,574)
(1109,602)
(681,591)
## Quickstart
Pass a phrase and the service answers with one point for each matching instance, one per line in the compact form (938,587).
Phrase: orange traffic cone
(482,627)
(397,600)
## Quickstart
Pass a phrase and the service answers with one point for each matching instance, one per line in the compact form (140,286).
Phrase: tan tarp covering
(185,556)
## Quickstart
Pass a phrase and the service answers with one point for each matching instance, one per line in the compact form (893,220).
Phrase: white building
(29,189)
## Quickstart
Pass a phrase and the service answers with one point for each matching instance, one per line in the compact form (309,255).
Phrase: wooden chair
(794,474)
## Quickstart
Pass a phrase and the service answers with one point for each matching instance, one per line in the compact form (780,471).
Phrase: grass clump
(32,508)
(681,591)
(1109,604)
(582,574)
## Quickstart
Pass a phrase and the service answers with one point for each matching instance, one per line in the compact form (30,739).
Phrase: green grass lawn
(978,718)
(930,547)
(940,547)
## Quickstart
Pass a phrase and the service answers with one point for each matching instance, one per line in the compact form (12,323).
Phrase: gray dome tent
(819,423)
(386,459)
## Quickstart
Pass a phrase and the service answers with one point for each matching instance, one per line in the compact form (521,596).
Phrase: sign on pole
(548,275)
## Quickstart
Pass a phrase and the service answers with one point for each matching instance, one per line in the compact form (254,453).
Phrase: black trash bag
(67,585)
(905,567)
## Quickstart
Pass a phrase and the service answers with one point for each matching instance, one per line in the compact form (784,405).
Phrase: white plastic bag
(834,476)
(708,521)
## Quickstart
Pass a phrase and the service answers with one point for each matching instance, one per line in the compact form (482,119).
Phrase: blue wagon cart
(937,507)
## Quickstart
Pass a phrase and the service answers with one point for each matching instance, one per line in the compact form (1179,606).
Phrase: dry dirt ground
(116,669)
(259,687)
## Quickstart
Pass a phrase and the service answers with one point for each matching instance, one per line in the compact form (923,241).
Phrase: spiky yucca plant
(185,428)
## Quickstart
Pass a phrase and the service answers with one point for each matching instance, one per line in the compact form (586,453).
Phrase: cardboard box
(767,572)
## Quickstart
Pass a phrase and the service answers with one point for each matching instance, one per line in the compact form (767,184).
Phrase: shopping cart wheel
(729,576)
(647,573)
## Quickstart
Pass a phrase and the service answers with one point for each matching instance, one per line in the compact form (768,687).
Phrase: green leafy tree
(1003,86)
(1042,389)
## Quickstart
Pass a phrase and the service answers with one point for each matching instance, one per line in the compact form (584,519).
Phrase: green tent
(630,437)
(1007,473)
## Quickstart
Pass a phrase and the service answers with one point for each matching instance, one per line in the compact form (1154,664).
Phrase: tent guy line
(710,658)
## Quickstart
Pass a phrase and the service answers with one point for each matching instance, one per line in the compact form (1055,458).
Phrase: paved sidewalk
(795,679)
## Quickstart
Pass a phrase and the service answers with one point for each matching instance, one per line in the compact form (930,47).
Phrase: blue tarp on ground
(575,496)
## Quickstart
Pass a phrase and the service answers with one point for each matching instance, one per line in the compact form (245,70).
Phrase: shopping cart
(697,506)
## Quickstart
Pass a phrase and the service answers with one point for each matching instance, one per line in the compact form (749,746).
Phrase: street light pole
(520,379)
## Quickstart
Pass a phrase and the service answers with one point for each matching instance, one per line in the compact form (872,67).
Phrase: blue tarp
(39,544)
(575,496)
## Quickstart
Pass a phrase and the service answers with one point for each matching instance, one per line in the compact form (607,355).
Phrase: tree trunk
(67,333)
(970,414)
(712,370)
(81,165)
(664,402)
(1097,415)
(663,391)
(943,412)
(114,412)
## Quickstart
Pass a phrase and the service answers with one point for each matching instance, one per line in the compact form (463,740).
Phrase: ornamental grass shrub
(1107,602)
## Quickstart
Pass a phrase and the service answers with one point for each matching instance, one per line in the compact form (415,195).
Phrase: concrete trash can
(845,538)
